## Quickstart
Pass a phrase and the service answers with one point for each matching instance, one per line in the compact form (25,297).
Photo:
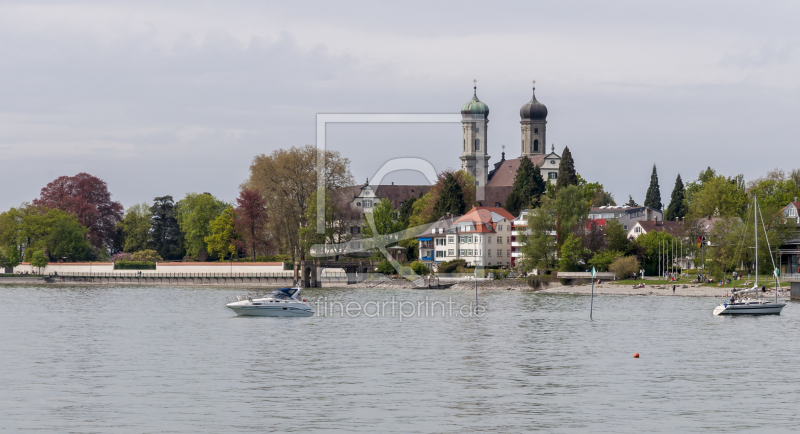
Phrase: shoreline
(655,290)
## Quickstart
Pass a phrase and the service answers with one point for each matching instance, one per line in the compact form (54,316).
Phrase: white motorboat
(282,302)
(755,306)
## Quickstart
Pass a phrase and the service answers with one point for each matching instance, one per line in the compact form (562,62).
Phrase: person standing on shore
(673,289)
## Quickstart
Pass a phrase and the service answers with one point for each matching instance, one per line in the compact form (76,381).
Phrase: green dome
(475,107)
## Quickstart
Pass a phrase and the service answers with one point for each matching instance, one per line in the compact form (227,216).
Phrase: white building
(481,237)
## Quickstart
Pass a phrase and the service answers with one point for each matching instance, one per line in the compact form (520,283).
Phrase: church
(493,186)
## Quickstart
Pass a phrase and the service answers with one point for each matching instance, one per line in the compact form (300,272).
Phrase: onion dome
(533,110)
(475,106)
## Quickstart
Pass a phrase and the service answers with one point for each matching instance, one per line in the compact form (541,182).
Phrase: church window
(535,146)
(477,129)
(536,130)
(553,175)
(477,144)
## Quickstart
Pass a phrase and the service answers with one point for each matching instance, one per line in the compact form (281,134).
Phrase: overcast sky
(164,98)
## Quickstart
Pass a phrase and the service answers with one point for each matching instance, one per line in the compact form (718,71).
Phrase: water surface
(160,359)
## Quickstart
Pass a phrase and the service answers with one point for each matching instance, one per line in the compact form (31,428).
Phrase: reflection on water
(155,359)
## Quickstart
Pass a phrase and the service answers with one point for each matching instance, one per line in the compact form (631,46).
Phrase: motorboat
(281,302)
(748,306)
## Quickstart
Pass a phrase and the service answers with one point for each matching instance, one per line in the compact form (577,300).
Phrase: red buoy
(636,356)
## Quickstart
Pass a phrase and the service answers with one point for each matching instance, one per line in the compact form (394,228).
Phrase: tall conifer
(653,198)
(677,205)
(566,170)
(451,198)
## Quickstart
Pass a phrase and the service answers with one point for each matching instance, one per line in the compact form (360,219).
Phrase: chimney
(392,182)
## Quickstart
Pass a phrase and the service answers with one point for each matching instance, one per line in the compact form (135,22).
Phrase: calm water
(155,359)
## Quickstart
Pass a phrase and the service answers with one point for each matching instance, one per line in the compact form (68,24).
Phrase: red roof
(507,171)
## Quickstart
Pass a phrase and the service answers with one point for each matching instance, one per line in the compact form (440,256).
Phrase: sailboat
(747,306)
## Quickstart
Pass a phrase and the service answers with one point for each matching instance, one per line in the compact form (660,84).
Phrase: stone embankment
(460,284)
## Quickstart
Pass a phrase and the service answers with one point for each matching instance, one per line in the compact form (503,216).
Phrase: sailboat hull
(750,309)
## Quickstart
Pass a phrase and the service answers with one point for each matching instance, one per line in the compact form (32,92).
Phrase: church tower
(533,119)
(474,153)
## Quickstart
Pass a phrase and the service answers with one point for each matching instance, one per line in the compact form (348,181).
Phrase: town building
(365,197)
(519,229)
(481,237)
(626,215)
(790,212)
(673,228)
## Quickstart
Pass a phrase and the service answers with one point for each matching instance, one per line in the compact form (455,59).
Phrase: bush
(134,265)
(121,256)
(452,266)
(386,267)
(625,267)
(420,268)
(602,260)
(146,256)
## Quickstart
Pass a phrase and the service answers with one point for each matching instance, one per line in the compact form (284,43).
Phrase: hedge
(134,265)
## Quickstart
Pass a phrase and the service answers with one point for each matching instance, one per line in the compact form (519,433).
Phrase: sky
(162,98)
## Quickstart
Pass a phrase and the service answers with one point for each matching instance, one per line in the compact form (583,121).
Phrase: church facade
(475,144)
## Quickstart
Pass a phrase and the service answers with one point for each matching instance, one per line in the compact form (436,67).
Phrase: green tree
(539,246)
(338,219)
(631,202)
(720,197)
(194,213)
(677,205)
(39,260)
(165,234)
(385,218)
(135,227)
(571,252)
(616,236)
(66,238)
(11,258)
(222,239)
(571,208)
(604,259)
(407,210)
(385,267)
(650,245)
(528,187)
(653,198)
(451,198)
(566,170)
(694,187)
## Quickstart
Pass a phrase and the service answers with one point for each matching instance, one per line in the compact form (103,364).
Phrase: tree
(86,197)
(222,239)
(194,213)
(616,236)
(677,205)
(164,230)
(339,218)
(695,186)
(566,170)
(66,238)
(571,208)
(604,259)
(653,197)
(286,179)
(625,267)
(571,253)
(385,267)
(407,210)
(11,259)
(719,196)
(135,227)
(539,246)
(631,202)
(385,219)
(451,198)
(424,208)
(39,260)
(251,220)
(651,244)
(528,187)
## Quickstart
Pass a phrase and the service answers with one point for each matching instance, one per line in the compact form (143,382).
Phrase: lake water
(160,359)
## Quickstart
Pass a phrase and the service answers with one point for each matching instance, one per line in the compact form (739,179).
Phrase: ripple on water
(157,359)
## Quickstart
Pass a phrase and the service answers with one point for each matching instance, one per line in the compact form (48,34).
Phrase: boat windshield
(284,293)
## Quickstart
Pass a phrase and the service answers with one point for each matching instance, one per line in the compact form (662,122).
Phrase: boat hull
(750,309)
(274,311)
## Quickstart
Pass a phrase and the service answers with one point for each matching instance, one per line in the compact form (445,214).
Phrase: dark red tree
(86,197)
(251,218)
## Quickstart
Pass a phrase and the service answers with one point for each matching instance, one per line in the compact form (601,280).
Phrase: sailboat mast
(755,232)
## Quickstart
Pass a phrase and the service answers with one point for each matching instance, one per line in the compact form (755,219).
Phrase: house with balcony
(433,242)
(481,237)
(626,215)
(790,212)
